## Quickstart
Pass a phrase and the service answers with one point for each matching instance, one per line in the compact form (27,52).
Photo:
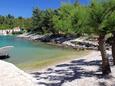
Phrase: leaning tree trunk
(113,48)
(105,62)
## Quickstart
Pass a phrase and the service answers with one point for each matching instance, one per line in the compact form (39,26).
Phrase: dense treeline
(42,21)
(9,22)
(68,19)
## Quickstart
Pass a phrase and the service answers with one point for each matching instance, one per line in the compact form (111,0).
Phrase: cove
(31,54)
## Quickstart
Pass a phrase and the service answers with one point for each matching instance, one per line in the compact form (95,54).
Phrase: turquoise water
(25,52)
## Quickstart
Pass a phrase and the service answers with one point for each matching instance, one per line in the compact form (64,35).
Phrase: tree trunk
(113,48)
(105,62)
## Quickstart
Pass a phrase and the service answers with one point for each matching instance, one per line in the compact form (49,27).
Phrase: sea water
(28,52)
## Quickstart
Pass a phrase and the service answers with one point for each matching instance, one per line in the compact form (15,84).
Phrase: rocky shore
(10,75)
(84,71)
(79,43)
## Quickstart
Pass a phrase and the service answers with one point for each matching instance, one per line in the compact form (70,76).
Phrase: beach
(60,57)
(84,71)
(44,65)
(75,68)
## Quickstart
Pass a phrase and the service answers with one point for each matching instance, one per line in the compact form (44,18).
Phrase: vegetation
(98,18)
(111,29)
(42,21)
(9,22)
(99,12)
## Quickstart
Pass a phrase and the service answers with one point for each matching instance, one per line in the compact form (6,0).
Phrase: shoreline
(69,53)
(63,60)
(67,44)
(84,71)
(10,75)
(79,69)
(76,43)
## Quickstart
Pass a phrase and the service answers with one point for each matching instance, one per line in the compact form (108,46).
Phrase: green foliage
(9,22)
(98,17)
(80,19)
(42,21)
(100,11)
(95,18)
(6,22)
(36,19)
(25,23)
(63,19)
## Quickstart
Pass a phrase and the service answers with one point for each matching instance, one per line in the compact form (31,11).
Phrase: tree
(99,12)
(113,47)
(7,22)
(110,22)
(42,21)
(79,20)
(37,19)
(46,21)
(28,24)
(63,19)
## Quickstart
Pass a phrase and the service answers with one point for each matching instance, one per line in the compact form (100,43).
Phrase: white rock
(10,75)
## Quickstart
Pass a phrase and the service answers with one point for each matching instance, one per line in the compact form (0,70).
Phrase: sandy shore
(50,63)
(84,71)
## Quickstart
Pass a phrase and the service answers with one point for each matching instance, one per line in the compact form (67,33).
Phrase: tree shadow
(69,72)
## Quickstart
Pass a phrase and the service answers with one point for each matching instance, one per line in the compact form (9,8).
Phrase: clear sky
(24,7)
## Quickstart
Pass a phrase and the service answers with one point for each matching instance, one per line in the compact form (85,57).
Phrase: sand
(84,71)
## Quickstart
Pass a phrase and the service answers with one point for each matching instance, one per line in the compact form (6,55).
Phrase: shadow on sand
(69,72)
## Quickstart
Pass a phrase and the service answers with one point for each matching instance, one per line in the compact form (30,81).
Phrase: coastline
(67,43)
(58,60)
(60,54)
(76,43)
(84,71)
(10,75)
(73,69)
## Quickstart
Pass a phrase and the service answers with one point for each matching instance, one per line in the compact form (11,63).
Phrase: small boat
(4,52)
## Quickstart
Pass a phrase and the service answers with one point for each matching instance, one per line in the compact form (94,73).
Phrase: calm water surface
(27,52)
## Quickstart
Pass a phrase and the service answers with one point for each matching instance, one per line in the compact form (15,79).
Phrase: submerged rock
(10,75)
(4,57)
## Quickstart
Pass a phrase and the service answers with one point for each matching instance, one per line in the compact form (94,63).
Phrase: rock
(10,75)
(4,57)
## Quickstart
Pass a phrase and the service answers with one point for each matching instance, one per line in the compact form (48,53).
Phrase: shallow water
(28,52)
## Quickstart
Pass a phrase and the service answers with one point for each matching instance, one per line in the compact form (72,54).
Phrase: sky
(24,7)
